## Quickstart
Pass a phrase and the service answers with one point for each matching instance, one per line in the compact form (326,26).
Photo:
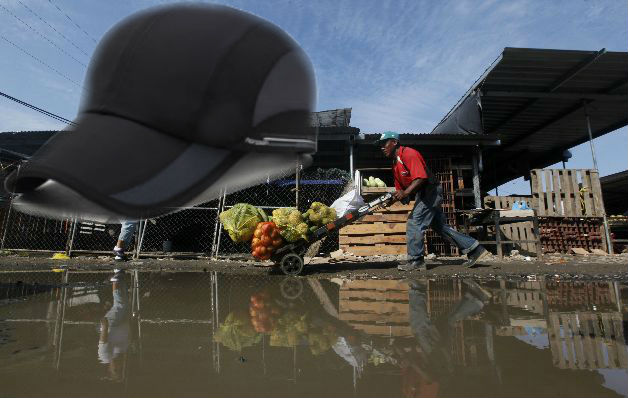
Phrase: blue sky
(401,65)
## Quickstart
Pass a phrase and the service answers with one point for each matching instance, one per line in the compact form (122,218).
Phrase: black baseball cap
(178,96)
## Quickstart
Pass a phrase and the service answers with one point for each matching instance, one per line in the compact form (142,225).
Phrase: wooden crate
(567,193)
(383,232)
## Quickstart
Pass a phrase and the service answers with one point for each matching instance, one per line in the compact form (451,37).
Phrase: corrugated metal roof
(533,100)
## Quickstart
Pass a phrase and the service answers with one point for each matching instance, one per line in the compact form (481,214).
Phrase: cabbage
(237,332)
(240,221)
(291,224)
(319,214)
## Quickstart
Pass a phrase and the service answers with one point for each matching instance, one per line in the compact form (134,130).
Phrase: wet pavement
(141,333)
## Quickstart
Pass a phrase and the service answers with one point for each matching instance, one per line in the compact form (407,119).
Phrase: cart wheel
(291,288)
(291,264)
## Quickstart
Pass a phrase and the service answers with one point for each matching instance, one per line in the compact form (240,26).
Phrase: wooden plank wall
(566,193)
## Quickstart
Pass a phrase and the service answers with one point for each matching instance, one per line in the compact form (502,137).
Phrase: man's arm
(414,187)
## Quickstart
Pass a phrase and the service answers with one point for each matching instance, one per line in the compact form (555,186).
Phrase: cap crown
(196,72)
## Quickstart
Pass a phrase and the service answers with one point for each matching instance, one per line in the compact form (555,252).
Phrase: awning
(534,100)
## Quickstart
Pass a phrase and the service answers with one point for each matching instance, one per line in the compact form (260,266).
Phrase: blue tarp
(283,183)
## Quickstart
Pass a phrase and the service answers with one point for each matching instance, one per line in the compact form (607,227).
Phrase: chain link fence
(192,231)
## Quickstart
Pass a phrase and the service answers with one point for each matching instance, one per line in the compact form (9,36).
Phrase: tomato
(274,234)
(253,312)
(256,252)
(258,306)
(276,243)
(257,233)
(267,229)
(255,242)
(266,240)
(269,249)
(261,250)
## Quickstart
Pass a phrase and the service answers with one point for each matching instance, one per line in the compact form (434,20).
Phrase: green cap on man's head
(388,135)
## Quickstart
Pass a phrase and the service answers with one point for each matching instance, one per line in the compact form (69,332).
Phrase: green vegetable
(291,224)
(240,221)
(319,214)
(237,332)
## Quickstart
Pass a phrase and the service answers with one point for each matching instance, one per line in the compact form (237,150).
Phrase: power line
(53,28)
(40,34)
(33,107)
(41,62)
(71,20)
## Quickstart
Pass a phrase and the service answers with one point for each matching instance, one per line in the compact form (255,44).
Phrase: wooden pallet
(383,232)
(567,193)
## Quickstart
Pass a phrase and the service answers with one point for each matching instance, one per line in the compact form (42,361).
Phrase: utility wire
(41,62)
(33,107)
(42,35)
(53,28)
(71,20)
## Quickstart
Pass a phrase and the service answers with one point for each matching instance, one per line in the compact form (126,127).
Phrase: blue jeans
(427,213)
(127,231)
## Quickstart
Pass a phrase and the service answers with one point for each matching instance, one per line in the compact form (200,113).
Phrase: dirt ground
(347,266)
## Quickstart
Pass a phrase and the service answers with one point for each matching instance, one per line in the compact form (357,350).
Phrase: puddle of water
(208,334)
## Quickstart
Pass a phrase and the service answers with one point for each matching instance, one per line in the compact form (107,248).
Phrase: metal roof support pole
(351,158)
(476,179)
(586,114)
(609,242)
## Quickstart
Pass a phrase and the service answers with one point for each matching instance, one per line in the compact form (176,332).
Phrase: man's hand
(400,195)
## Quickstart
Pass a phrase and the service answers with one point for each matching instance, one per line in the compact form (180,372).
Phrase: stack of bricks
(559,235)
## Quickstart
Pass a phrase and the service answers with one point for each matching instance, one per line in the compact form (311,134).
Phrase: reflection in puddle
(139,333)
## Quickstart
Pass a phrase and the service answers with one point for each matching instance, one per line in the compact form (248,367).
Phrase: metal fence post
(297,178)
(6,222)
(70,242)
(221,208)
(141,230)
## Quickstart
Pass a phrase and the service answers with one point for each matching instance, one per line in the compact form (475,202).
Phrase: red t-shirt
(408,167)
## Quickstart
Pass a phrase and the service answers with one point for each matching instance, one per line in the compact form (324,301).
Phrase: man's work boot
(474,256)
(413,265)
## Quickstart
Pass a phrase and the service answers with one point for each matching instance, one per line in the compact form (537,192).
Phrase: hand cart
(289,258)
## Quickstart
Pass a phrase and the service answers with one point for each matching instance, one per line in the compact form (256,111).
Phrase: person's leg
(127,231)
(419,220)
(467,245)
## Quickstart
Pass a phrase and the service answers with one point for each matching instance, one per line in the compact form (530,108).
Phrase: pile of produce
(266,239)
(321,339)
(237,332)
(319,214)
(287,327)
(291,223)
(241,220)
(373,182)
(290,329)
(264,312)
(247,223)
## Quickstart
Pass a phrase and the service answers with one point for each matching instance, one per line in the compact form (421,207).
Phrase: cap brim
(127,168)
